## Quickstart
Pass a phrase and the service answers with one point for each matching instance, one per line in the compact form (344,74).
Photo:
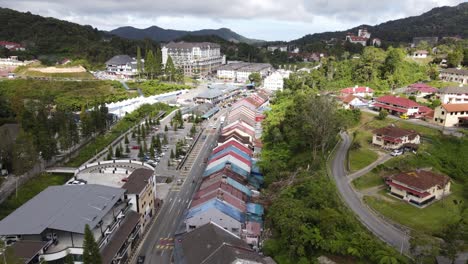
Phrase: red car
(135,147)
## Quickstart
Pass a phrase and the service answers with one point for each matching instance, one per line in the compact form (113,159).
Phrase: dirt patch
(59,70)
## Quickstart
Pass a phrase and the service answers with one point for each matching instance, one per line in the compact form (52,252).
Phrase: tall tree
(139,64)
(149,64)
(170,68)
(158,62)
(91,254)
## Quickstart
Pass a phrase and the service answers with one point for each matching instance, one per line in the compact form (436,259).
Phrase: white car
(396,152)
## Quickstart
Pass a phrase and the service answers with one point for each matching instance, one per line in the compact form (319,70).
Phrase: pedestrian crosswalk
(165,243)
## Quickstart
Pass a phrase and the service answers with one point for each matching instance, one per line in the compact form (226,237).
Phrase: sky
(260,19)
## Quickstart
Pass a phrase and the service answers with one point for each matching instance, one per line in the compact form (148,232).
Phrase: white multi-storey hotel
(196,59)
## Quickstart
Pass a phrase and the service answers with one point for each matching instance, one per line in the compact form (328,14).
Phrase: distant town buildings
(420,54)
(275,81)
(280,48)
(239,72)
(419,187)
(122,66)
(195,59)
(363,37)
(454,75)
(13,61)
(13,46)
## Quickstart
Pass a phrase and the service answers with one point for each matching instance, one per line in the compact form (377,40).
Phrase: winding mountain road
(385,231)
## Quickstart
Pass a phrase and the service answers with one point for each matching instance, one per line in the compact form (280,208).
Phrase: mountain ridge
(438,22)
(165,35)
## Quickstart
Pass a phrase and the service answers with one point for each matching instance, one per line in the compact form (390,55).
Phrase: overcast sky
(261,19)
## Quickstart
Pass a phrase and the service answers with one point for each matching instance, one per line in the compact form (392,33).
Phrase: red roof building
(357,91)
(420,89)
(393,137)
(419,187)
(12,45)
(397,105)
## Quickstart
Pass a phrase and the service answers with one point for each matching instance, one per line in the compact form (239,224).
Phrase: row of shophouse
(227,196)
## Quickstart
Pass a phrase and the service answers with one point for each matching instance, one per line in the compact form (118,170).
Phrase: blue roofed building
(217,211)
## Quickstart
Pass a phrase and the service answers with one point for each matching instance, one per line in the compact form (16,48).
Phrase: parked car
(179,182)
(135,147)
(141,259)
(397,152)
(404,116)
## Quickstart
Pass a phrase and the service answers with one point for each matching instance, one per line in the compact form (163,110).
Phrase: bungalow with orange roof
(419,187)
(451,115)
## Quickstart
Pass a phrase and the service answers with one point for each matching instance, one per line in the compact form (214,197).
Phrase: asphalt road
(157,248)
(385,231)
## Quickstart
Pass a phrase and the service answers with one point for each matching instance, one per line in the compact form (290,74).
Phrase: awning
(389,107)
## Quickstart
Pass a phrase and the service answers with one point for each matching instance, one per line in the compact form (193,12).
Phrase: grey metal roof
(455,71)
(454,90)
(119,60)
(66,207)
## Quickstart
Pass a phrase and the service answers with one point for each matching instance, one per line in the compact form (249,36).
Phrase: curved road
(385,231)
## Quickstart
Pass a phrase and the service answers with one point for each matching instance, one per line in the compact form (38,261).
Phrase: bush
(382,115)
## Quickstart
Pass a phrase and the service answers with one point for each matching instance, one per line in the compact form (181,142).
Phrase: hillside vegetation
(53,38)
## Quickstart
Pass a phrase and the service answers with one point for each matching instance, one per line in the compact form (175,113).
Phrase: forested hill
(439,22)
(50,36)
(166,35)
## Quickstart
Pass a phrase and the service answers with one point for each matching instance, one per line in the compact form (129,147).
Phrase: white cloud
(266,19)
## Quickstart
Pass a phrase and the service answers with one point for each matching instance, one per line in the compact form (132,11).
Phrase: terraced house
(227,195)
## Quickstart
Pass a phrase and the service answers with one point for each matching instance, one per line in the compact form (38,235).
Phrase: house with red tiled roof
(419,187)
(359,91)
(352,102)
(420,90)
(451,115)
(12,46)
(396,105)
(393,137)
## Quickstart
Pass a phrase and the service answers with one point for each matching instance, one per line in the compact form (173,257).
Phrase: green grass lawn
(31,189)
(363,156)
(431,219)
(369,123)
(154,87)
(368,180)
